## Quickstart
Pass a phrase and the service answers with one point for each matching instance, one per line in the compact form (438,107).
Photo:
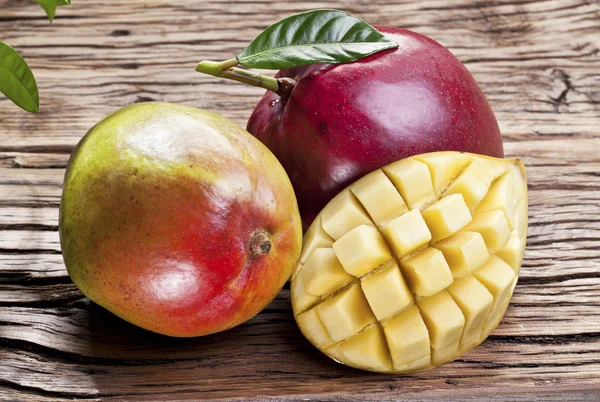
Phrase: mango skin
(160,204)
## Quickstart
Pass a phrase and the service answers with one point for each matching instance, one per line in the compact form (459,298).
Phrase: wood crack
(39,391)
(53,354)
(33,227)
(561,99)
(591,337)
(544,280)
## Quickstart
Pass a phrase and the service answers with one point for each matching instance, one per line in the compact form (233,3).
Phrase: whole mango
(342,121)
(177,220)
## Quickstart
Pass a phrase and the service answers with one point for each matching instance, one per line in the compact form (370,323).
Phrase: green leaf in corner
(17,81)
(328,36)
(49,6)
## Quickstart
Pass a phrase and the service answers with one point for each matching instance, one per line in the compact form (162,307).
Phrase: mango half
(414,264)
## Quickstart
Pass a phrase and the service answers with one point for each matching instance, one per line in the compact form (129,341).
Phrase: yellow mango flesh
(413,265)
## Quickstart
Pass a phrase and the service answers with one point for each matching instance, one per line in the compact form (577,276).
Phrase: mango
(179,221)
(428,251)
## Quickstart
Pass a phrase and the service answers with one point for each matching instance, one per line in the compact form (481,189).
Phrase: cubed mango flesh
(427,272)
(407,337)
(379,197)
(512,253)
(444,319)
(444,166)
(473,183)
(414,264)
(497,276)
(323,273)
(346,313)
(500,197)
(368,349)
(386,291)
(361,250)
(315,237)
(407,233)
(413,180)
(343,214)
(475,302)
(446,217)
(315,331)
(493,226)
(464,252)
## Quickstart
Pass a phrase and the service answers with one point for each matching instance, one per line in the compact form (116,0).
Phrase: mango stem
(227,69)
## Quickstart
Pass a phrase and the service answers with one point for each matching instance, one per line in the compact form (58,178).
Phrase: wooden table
(537,61)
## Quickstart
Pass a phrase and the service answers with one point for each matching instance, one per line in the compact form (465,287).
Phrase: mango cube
(500,197)
(413,181)
(495,317)
(379,197)
(310,322)
(519,182)
(464,252)
(315,237)
(445,354)
(512,253)
(343,214)
(497,276)
(323,273)
(407,338)
(521,219)
(423,363)
(368,349)
(427,272)
(407,233)
(493,227)
(443,319)
(495,170)
(300,299)
(386,291)
(335,352)
(473,183)
(361,250)
(346,313)
(475,302)
(444,167)
(446,217)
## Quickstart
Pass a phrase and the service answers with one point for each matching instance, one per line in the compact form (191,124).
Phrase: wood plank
(537,61)
(33,160)
(30,268)
(30,196)
(216,365)
(18,217)
(26,241)
(98,65)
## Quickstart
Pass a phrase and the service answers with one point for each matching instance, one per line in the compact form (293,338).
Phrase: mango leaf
(17,81)
(329,36)
(49,6)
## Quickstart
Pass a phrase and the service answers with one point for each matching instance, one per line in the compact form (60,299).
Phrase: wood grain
(538,63)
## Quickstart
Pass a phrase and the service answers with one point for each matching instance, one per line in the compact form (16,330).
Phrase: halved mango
(414,264)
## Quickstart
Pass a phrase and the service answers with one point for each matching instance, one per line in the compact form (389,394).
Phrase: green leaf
(329,36)
(49,6)
(17,81)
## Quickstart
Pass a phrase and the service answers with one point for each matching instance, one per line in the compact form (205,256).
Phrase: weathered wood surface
(538,63)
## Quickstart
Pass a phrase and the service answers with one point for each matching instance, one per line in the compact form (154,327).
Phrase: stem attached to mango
(260,243)
(227,69)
